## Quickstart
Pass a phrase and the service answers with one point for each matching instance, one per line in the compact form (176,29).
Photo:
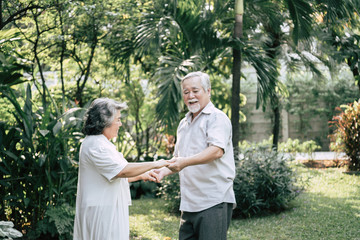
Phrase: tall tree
(339,24)
(236,72)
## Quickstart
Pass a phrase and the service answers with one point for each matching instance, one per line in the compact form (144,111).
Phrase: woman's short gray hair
(100,115)
(204,78)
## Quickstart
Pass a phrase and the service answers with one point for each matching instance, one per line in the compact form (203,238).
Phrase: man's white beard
(194,108)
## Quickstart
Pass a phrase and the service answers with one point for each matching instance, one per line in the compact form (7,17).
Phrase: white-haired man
(204,158)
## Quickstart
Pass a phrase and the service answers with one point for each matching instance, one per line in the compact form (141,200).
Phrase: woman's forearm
(135,169)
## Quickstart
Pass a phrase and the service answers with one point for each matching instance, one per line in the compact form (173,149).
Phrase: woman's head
(101,115)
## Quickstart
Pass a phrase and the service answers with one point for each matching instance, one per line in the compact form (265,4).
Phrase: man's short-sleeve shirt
(205,185)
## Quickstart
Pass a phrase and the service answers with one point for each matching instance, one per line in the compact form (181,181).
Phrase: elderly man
(204,158)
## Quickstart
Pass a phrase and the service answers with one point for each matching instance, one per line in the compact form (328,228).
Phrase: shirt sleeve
(108,161)
(219,131)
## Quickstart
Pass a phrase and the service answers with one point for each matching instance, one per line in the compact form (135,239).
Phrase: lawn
(328,209)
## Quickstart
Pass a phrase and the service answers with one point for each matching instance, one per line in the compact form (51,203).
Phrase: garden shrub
(143,189)
(264,182)
(38,160)
(290,146)
(346,136)
(295,146)
(58,223)
(170,192)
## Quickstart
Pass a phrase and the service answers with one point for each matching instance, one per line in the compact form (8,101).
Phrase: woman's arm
(147,176)
(132,170)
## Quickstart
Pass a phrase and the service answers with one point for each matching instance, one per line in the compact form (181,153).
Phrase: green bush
(347,134)
(38,160)
(290,146)
(264,182)
(294,146)
(58,223)
(143,189)
(170,192)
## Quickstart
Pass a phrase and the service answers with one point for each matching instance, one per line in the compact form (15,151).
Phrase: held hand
(161,163)
(158,174)
(148,176)
(177,164)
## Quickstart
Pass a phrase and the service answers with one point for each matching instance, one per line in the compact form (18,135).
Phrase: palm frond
(168,78)
(301,13)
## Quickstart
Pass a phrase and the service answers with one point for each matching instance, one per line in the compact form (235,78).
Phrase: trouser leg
(210,224)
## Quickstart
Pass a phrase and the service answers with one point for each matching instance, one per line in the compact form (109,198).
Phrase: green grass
(328,209)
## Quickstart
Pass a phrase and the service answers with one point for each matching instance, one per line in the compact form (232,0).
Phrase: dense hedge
(264,182)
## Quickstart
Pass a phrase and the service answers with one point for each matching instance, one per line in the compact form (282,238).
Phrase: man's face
(195,96)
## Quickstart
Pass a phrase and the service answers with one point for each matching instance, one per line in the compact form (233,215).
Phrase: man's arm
(208,155)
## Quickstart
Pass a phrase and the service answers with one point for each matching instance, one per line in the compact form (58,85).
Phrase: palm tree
(295,13)
(338,34)
(186,36)
(236,71)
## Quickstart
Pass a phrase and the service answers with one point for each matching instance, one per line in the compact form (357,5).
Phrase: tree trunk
(276,126)
(236,71)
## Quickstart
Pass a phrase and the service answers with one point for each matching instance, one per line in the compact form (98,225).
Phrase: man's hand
(177,164)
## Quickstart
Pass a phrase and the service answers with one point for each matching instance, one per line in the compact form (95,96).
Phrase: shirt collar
(207,110)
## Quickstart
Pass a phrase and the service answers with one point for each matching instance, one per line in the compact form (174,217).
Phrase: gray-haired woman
(103,194)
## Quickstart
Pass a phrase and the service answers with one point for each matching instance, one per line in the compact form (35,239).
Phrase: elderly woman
(103,194)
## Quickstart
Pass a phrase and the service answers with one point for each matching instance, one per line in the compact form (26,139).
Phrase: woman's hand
(161,163)
(149,176)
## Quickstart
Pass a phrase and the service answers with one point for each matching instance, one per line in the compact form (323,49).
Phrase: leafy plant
(38,158)
(170,192)
(290,146)
(347,134)
(57,224)
(295,146)
(143,189)
(264,182)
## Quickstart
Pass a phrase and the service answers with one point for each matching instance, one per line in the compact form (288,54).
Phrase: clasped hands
(174,165)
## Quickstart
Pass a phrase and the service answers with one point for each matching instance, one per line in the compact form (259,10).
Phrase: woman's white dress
(102,202)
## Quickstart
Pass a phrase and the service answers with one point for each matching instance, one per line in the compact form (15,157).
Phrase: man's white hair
(204,78)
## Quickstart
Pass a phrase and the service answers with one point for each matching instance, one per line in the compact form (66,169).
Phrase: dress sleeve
(107,160)
(219,131)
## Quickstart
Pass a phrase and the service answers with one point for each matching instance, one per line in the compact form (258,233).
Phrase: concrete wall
(258,126)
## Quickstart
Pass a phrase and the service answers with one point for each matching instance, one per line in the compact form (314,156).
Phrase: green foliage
(38,159)
(294,146)
(290,146)
(58,223)
(347,125)
(141,189)
(11,64)
(170,192)
(264,182)
(312,97)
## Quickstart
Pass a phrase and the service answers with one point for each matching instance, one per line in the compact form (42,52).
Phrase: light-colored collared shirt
(205,185)
(102,201)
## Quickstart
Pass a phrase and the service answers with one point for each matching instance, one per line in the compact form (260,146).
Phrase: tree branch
(17,15)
